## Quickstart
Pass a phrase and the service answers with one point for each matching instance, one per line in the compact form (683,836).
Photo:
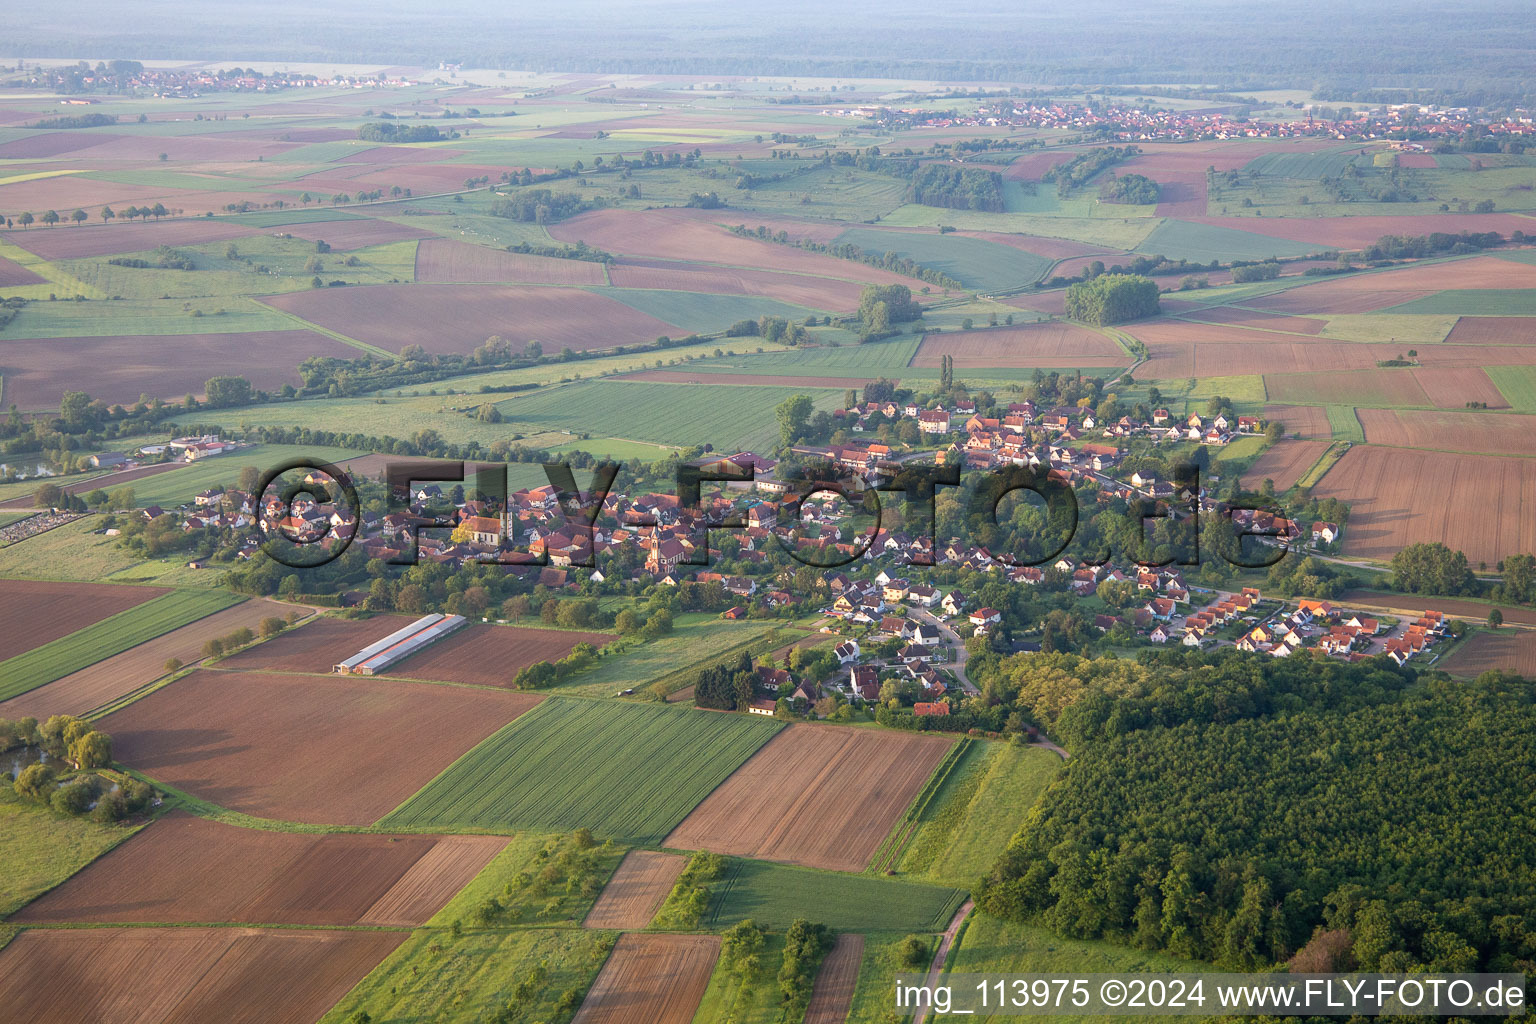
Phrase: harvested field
(636,891)
(360,233)
(13,274)
(1476,504)
(1477,433)
(1503,650)
(258,743)
(106,239)
(651,979)
(119,369)
(797,289)
(1347,387)
(1044,345)
(745,379)
(121,674)
(673,234)
(463,316)
(445,261)
(492,655)
(1310,421)
(1493,330)
(189,870)
(1257,318)
(783,804)
(833,995)
(1364,292)
(1031,166)
(1285,463)
(184,975)
(36,613)
(1452,387)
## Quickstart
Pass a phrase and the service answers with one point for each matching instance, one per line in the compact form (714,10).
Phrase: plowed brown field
(463,316)
(799,289)
(1477,504)
(636,891)
(120,368)
(1285,463)
(820,796)
(445,261)
(833,995)
(1477,433)
(327,750)
(95,685)
(35,613)
(184,869)
(673,234)
(315,646)
(651,979)
(1493,330)
(491,655)
(1310,421)
(184,975)
(1507,650)
(106,239)
(1452,387)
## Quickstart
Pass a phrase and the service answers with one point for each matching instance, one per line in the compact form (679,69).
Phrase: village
(895,638)
(1403,121)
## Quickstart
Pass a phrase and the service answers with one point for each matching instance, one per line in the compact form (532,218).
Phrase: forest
(1249,811)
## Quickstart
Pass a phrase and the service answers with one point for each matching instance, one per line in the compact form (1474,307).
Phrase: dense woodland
(1113,299)
(1236,808)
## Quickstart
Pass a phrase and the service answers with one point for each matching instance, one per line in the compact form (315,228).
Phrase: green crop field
(696,639)
(1385,388)
(1242,448)
(1345,424)
(1516,383)
(1328,163)
(629,772)
(1179,239)
(977,810)
(1474,302)
(110,636)
(40,848)
(727,999)
(704,313)
(776,894)
(436,975)
(277,218)
(994,946)
(178,486)
(683,414)
(144,316)
(973,262)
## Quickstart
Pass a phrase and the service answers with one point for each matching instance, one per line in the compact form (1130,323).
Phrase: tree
(792,413)
(107,214)
(79,217)
(1495,619)
(75,410)
(51,218)
(1112,299)
(223,392)
(25,220)
(93,750)
(157,211)
(34,783)
(1432,568)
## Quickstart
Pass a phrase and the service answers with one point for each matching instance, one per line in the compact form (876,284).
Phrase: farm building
(381,654)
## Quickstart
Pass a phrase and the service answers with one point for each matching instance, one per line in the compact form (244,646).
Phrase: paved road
(937,970)
(926,617)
